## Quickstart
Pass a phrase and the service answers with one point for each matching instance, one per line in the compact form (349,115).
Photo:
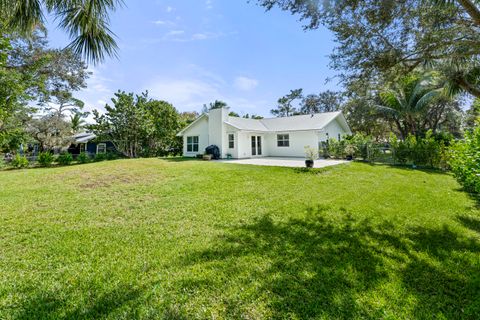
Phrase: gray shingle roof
(294,123)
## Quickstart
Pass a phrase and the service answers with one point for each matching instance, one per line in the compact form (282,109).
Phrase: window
(101,148)
(283,140)
(192,144)
(231,141)
(339,137)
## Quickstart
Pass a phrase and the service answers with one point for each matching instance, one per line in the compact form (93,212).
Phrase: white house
(272,137)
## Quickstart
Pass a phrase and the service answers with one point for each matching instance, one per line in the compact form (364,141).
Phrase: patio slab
(284,162)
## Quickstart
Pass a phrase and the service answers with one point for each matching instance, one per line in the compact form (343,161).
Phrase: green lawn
(173,239)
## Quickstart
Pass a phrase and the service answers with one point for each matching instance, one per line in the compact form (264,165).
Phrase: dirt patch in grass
(106,181)
(98,179)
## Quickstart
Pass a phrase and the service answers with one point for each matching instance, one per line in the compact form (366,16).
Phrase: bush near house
(100,157)
(19,162)
(429,151)
(45,159)
(65,159)
(83,158)
(464,160)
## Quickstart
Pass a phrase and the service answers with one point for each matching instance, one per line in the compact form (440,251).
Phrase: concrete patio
(284,162)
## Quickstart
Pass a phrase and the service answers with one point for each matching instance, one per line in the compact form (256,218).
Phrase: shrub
(464,160)
(65,159)
(362,144)
(100,157)
(427,151)
(111,156)
(45,159)
(83,157)
(336,148)
(324,150)
(19,162)
(400,149)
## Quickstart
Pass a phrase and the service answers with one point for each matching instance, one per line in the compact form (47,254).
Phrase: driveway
(284,162)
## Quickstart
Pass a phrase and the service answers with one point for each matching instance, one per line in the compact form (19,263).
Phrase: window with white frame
(231,141)
(192,144)
(102,148)
(283,140)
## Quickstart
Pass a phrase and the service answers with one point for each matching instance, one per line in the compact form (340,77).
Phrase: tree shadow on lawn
(472,223)
(50,305)
(428,170)
(124,301)
(324,265)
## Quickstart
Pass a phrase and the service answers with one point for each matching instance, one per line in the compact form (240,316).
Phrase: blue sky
(192,52)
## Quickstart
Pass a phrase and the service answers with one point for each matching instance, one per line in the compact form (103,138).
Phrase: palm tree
(407,101)
(77,121)
(86,22)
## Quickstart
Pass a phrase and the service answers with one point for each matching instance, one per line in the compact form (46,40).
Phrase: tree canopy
(85,21)
(139,126)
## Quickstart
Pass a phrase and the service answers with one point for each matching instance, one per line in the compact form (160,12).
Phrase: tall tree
(51,132)
(326,101)
(124,123)
(166,123)
(138,126)
(77,121)
(284,104)
(86,22)
(406,103)
(31,72)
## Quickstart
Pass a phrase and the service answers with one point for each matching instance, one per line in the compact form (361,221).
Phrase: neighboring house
(88,143)
(273,137)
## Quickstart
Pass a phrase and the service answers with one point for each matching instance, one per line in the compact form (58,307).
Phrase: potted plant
(207,157)
(310,154)
(350,151)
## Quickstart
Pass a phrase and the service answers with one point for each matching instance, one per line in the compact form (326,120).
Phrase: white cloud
(184,94)
(209,4)
(169,9)
(245,83)
(167,23)
(175,32)
(182,36)
(194,86)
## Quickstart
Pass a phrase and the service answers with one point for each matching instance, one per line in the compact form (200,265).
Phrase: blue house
(87,142)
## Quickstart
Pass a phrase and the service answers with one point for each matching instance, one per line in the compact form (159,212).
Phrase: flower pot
(207,157)
(309,163)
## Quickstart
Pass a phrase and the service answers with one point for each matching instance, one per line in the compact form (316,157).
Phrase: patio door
(256,145)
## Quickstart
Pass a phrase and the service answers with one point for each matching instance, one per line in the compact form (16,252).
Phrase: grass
(170,239)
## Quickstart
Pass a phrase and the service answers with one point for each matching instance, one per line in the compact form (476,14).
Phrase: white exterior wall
(217,130)
(234,152)
(333,129)
(298,141)
(243,143)
(199,129)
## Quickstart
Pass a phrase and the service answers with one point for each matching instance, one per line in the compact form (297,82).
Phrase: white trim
(193,143)
(233,140)
(102,144)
